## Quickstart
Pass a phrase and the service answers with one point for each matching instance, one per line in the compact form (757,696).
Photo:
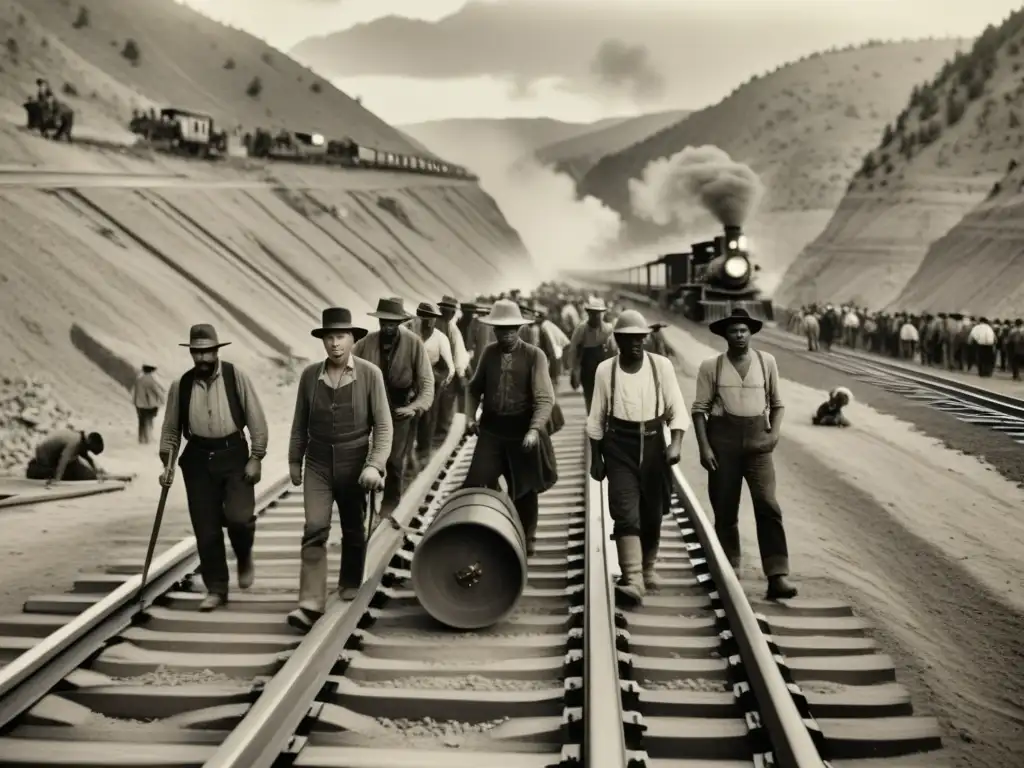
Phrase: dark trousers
(146,417)
(403,434)
(985,355)
(446,409)
(739,446)
(78,470)
(219,497)
(332,477)
(1016,364)
(426,423)
(638,489)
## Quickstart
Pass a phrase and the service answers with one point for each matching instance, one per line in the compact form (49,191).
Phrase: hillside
(938,160)
(803,127)
(185,60)
(103,274)
(527,133)
(576,155)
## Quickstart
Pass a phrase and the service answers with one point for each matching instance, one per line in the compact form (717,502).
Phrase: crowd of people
(955,341)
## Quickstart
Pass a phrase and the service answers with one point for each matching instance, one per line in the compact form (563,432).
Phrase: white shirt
(570,315)
(908,332)
(439,348)
(559,341)
(851,320)
(982,334)
(458,346)
(635,395)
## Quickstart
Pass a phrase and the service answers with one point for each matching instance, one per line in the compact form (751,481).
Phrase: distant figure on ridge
(148,396)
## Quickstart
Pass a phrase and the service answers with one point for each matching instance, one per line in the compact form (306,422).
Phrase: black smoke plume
(704,176)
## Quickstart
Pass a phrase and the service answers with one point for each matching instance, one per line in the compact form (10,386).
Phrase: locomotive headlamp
(317,140)
(736,267)
(732,245)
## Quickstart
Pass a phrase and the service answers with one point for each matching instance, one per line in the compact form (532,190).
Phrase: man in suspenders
(635,396)
(591,343)
(737,416)
(211,405)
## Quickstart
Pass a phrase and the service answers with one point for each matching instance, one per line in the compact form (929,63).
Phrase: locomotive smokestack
(733,232)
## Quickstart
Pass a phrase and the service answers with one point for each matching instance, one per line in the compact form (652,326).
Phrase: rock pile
(28,412)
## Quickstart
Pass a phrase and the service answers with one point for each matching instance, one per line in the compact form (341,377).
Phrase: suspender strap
(227,370)
(764,378)
(657,390)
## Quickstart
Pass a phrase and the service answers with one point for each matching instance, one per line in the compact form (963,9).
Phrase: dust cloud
(704,176)
(621,67)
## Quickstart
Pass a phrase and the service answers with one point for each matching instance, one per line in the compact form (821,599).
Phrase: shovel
(155,534)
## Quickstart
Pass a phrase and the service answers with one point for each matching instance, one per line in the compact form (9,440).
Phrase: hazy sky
(525,58)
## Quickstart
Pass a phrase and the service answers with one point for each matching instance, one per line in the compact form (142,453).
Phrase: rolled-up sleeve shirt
(747,396)
(636,396)
(209,414)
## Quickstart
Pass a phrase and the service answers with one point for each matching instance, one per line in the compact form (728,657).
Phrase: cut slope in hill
(96,281)
(131,54)
(804,128)
(937,160)
(576,155)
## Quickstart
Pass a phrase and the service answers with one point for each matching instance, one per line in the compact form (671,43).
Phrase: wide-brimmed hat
(738,316)
(203,336)
(337,319)
(657,326)
(391,309)
(631,323)
(504,314)
(448,302)
(594,304)
(426,309)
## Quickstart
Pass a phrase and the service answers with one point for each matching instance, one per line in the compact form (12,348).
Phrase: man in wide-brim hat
(409,381)
(212,405)
(448,325)
(655,341)
(512,386)
(737,417)
(442,363)
(636,395)
(591,343)
(147,397)
(341,431)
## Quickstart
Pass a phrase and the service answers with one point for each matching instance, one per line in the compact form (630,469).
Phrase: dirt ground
(924,542)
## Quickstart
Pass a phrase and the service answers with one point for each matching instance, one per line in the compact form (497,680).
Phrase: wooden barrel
(469,570)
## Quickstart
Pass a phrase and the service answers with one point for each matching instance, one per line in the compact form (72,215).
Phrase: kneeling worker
(342,429)
(66,455)
(635,396)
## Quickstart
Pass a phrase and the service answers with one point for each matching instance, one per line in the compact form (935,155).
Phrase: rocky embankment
(29,411)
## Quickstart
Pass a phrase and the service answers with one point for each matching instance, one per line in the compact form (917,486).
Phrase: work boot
(246,572)
(631,586)
(780,588)
(651,579)
(212,602)
(348,594)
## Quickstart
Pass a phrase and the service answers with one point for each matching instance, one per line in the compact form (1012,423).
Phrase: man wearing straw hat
(409,381)
(737,415)
(636,395)
(591,343)
(439,353)
(211,405)
(513,383)
(342,430)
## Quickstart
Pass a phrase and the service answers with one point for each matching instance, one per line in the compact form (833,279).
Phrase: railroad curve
(569,679)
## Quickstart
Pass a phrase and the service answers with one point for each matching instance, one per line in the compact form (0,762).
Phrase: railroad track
(569,679)
(968,403)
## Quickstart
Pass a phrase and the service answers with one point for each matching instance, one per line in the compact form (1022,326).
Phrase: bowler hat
(738,316)
(448,302)
(505,314)
(631,323)
(203,336)
(391,309)
(337,319)
(426,309)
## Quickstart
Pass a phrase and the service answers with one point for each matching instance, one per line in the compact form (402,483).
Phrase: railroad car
(704,283)
(193,132)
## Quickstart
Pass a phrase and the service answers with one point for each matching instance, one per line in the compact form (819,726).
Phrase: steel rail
(268,728)
(604,736)
(35,673)
(791,742)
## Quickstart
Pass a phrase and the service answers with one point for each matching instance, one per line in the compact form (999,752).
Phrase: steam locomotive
(705,283)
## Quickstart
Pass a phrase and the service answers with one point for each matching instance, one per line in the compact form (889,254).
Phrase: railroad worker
(1015,348)
(147,396)
(830,413)
(982,339)
(409,381)
(439,353)
(655,340)
(591,343)
(513,383)
(811,330)
(210,405)
(481,333)
(909,339)
(67,455)
(635,396)
(341,430)
(447,324)
(554,342)
(738,415)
